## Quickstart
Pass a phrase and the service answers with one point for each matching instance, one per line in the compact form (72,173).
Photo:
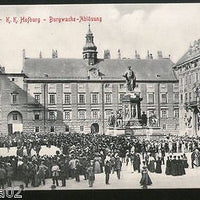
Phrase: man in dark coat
(2,176)
(63,173)
(168,166)
(107,171)
(9,172)
(174,166)
(26,173)
(193,159)
(144,119)
(118,166)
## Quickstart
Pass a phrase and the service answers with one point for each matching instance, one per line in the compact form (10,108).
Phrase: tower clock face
(94,73)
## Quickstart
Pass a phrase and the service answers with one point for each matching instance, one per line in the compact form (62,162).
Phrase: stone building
(60,94)
(188,72)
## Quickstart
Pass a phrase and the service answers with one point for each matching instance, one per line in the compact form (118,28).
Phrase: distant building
(78,95)
(188,73)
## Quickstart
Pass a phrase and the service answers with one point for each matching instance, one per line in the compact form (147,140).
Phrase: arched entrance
(95,128)
(15,122)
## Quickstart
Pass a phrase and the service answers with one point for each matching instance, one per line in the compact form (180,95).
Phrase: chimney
(137,56)
(2,70)
(107,54)
(150,56)
(119,54)
(54,53)
(40,55)
(160,56)
(24,54)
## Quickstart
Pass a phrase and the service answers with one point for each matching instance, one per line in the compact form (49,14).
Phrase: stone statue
(130,79)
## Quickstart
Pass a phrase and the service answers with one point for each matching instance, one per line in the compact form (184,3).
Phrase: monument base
(137,131)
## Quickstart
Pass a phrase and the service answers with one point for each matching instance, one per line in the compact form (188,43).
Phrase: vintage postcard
(99,96)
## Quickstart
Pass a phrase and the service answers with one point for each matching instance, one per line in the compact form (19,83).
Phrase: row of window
(163,97)
(95,114)
(95,98)
(189,96)
(52,129)
(107,86)
(189,79)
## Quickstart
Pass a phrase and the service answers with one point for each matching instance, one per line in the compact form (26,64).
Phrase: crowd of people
(89,154)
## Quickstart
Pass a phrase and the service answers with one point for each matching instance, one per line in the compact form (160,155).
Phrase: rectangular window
(121,86)
(176,112)
(176,97)
(37,98)
(121,95)
(66,128)
(81,86)
(36,116)
(197,77)
(37,129)
(190,97)
(175,87)
(81,114)
(164,113)
(95,114)
(108,97)
(164,126)
(181,98)
(81,128)
(150,98)
(108,85)
(186,97)
(107,113)
(81,98)
(176,126)
(14,116)
(52,99)
(94,98)
(67,98)
(14,98)
(67,115)
(164,98)
(52,129)
(52,115)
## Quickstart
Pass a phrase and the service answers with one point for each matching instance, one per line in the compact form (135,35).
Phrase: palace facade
(78,95)
(188,73)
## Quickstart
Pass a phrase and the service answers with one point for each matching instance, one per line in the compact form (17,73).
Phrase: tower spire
(90,50)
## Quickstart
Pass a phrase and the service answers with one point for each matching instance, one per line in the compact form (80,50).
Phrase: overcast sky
(166,27)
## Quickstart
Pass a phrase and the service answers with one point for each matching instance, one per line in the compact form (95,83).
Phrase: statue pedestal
(131,109)
(131,114)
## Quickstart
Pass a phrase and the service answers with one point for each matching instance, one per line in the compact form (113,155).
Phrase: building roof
(187,57)
(145,69)
(193,52)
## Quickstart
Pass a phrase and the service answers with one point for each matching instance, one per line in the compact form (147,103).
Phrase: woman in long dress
(97,167)
(145,180)
(151,166)
(197,157)
(158,166)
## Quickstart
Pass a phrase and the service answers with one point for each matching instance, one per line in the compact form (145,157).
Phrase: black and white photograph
(99,97)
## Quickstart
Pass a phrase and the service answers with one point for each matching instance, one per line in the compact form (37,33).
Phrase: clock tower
(90,50)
